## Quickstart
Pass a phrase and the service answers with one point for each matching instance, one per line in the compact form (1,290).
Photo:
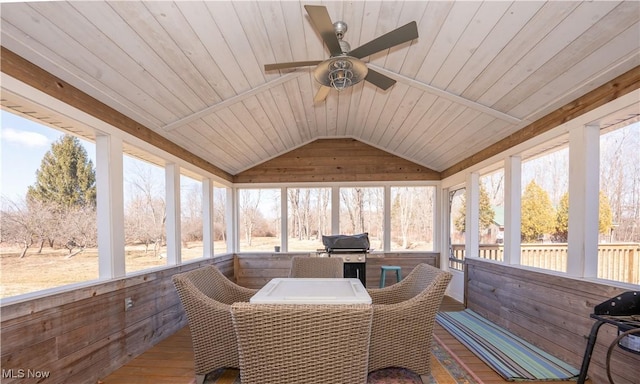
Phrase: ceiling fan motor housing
(341,28)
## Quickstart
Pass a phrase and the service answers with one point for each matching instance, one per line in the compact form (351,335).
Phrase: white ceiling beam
(235,99)
(447,95)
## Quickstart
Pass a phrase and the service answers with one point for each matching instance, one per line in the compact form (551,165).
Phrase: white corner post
(584,189)
(443,223)
(512,210)
(232,212)
(110,207)
(207,218)
(386,214)
(472,216)
(174,236)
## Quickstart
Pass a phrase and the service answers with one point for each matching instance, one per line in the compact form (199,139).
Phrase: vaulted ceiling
(193,71)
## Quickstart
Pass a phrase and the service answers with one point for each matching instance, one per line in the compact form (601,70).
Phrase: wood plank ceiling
(193,71)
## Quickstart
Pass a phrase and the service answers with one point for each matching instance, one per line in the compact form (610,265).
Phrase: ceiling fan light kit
(345,68)
(341,72)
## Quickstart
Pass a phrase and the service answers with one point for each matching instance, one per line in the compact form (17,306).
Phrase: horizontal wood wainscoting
(331,160)
(254,270)
(549,310)
(82,335)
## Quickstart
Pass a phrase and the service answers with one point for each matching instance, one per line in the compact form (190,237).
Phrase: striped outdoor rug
(512,357)
(445,369)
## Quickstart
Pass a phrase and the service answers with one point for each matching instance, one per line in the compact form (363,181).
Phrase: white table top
(312,291)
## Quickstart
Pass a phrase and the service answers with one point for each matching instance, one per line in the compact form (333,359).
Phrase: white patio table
(312,291)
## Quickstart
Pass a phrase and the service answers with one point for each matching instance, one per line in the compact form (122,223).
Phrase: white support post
(233,224)
(335,210)
(512,209)
(472,216)
(386,233)
(437,218)
(207,218)
(584,189)
(284,227)
(110,207)
(172,183)
(442,226)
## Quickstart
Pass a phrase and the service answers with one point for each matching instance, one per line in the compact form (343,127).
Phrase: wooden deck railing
(618,261)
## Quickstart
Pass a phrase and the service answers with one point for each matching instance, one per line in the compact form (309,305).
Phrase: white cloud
(29,139)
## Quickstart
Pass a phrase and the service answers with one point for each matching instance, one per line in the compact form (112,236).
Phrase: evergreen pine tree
(605,217)
(486,211)
(538,216)
(66,176)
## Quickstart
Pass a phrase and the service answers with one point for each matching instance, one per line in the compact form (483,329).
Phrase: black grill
(353,250)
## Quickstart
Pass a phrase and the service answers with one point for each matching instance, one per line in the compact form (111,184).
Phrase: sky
(23,143)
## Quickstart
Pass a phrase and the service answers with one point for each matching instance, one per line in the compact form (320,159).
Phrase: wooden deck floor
(171,360)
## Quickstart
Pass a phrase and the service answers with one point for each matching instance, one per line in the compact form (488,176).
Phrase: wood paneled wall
(549,310)
(407,261)
(254,270)
(335,160)
(82,335)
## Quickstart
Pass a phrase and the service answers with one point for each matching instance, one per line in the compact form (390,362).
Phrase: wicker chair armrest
(392,294)
(240,293)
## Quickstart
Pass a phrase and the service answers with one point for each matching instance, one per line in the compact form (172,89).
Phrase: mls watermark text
(19,373)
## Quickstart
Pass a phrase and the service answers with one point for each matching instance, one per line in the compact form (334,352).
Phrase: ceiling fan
(345,68)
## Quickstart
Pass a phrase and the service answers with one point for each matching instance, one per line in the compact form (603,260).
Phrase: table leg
(587,353)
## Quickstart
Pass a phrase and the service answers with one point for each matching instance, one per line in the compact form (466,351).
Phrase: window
(144,214)
(362,210)
(457,215)
(619,205)
(309,217)
(259,219)
(491,215)
(191,218)
(48,208)
(412,217)
(219,220)
(545,210)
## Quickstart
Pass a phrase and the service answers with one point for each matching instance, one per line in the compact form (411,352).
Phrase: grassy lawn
(54,268)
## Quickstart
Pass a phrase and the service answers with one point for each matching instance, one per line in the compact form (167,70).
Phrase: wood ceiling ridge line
(611,90)
(25,71)
(233,100)
(449,96)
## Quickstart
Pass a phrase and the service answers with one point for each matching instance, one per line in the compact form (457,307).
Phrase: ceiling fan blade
(379,80)
(271,67)
(322,23)
(322,94)
(397,36)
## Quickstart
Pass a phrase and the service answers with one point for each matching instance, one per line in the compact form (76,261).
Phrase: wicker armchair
(330,267)
(403,320)
(206,295)
(302,343)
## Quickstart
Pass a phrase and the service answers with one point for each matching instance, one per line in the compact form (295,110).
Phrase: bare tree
(78,229)
(403,207)
(353,199)
(219,212)
(323,214)
(191,214)
(300,212)
(17,225)
(26,223)
(620,179)
(249,212)
(145,214)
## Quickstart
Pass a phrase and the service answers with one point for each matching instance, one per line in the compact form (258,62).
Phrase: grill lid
(338,242)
